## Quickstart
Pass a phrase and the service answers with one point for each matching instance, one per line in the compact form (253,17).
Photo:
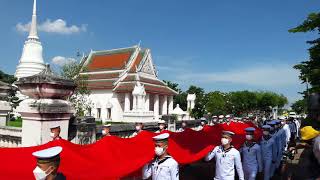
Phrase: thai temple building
(125,87)
(31,61)
(123,82)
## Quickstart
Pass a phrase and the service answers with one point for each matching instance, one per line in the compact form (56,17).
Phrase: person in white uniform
(221,118)
(48,161)
(162,126)
(163,167)
(269,152)
(227,159)
(251,156)
(139,129)
(106,130)
(286,129)
(184,126)
(203,123)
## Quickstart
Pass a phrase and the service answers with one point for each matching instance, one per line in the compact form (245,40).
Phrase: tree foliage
(7,78)
(238,102)
(299,106)
(310,70)
(80,98)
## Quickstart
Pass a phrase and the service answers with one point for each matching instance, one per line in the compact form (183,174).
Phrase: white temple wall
(100,99)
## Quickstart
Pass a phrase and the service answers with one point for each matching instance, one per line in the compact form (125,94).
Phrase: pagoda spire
(33,34)
(31,61)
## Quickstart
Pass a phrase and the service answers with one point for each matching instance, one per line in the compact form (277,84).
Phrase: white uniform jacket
(165,169)
(226,161)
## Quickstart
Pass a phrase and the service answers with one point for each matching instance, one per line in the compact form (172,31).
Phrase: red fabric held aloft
(113,157)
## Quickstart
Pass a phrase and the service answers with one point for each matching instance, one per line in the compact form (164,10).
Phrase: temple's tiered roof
(120,69)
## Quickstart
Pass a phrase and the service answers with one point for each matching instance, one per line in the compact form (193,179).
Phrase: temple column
(156,107)
(170,104)
(147,102)
(165,105)
(134,105)
(127,102)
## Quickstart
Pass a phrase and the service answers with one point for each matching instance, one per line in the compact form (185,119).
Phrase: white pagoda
(31,61)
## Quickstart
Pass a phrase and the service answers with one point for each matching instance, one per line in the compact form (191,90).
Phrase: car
(293,114)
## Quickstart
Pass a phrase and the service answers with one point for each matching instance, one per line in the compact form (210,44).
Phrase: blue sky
(218,45)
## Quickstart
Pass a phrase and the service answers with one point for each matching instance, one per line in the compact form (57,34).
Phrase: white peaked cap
(161,122)
(107,125)
(228,116)
(48,153)
(221,116)
(161,137)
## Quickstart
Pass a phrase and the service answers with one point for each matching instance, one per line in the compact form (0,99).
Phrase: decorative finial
(33,29)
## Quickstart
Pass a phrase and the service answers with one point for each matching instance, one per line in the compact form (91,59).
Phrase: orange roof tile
(109,61)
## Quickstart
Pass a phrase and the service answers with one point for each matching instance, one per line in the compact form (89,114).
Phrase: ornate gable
(147,66)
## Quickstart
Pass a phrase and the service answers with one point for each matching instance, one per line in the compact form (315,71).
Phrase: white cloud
(279,75)
(58,26)
(60,61)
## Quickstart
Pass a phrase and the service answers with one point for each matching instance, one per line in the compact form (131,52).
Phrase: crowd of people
(260,159)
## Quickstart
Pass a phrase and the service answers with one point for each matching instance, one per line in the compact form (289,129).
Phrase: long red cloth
(113,157)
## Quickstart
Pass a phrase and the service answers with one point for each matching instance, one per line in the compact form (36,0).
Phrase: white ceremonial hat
(107,125)
(48,153)
(161,137)
(221,116)
(228,133)
(228,116)
(161,122)
(214,116)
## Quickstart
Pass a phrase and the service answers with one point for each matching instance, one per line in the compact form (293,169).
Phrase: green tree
(299,106)
(216,103)
(242,102)
(7,78)
(80,98)
(310,70)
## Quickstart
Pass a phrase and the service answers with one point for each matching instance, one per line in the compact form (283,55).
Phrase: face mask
(104,132)
(249,137)
(265,133)
(159,151)
(224,141)
(52,135)
(39,174)
(161,127)
(138,128)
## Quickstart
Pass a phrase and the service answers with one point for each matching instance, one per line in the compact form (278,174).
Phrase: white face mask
(265,133)
(52,135)
(159,151)
(224,141)
(138,128)
(249,137)
(104,132)
(161,127)
(39,174)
